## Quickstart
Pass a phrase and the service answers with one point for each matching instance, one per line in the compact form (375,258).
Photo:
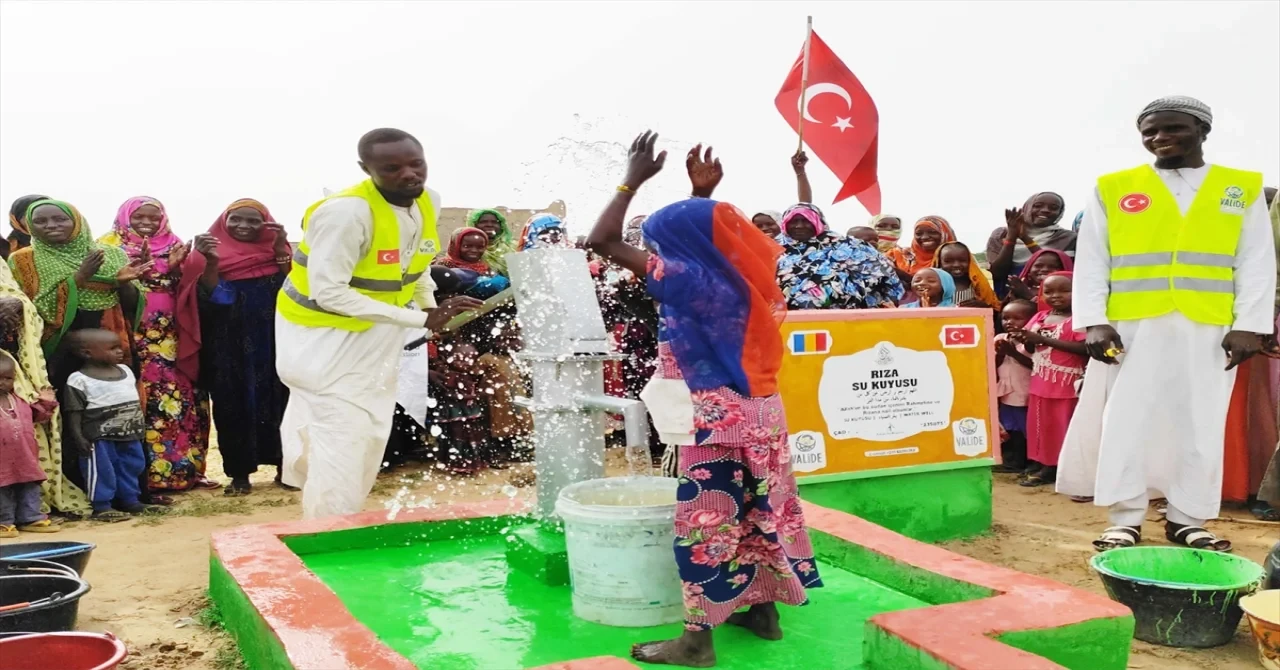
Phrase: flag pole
(804,82)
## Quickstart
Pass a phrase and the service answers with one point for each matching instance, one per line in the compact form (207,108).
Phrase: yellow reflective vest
(379,274)
(1161,260)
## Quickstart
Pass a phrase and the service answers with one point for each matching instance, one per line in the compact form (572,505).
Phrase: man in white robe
(342,383)
(1154,401)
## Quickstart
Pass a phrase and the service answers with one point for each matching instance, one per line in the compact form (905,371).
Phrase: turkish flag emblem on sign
(388,257)
(961,336)
(841,124)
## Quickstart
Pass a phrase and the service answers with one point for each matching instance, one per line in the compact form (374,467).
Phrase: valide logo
(962,336)
(1232,201)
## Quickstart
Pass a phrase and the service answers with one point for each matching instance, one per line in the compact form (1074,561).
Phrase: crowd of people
(196,327)
(342,354)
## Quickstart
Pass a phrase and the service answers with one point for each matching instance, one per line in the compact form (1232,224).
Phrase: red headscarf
(236,260)
(243,260)
(1067,263)
(453,256)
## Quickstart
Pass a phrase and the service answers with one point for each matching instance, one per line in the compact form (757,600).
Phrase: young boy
(104,420)
(20,473)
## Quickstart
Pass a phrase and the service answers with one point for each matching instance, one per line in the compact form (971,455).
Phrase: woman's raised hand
(132,271)
(207,245)
(641,162)
(1013,225)
(89,267)
(705,172)
(798,161)
(279,243)
(178,254)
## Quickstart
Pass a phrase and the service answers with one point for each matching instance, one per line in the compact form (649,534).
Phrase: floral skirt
(740,535)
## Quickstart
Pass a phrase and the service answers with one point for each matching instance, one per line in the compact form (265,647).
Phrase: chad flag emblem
(809,342)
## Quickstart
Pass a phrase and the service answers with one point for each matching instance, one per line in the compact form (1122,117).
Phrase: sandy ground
(149,575)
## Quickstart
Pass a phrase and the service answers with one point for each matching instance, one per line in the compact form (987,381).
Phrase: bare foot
(691,650)
(761,620)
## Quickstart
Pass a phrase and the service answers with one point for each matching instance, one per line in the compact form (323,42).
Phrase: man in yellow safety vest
(1175,265)
(359,278)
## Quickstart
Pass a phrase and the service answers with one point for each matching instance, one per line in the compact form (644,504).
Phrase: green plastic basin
(1180,597)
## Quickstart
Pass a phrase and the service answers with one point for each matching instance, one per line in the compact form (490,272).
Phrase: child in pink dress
(1013,384)
(20,471)
(1058,362)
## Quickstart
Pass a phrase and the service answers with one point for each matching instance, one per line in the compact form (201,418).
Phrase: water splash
(583,170)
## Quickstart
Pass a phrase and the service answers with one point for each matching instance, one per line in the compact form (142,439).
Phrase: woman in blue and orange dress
(740,533)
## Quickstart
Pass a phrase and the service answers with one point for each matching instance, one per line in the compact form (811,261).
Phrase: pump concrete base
(539,550)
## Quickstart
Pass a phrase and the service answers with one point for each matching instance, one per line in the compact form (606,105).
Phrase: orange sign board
(868,390)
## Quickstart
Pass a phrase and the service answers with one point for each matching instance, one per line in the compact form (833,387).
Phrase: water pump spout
(635,426)
(634,421)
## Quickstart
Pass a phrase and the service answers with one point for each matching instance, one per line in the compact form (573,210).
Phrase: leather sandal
(1118,537)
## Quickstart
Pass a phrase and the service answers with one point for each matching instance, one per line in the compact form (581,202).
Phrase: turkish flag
(388,256)
(841,124)
(960,336)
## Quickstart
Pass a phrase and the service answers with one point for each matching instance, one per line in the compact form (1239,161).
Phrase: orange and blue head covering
(715,279)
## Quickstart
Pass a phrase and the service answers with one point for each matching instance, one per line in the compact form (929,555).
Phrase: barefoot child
(1058,362)
(104,419)
(1013,381)
(20,472)
(741,540)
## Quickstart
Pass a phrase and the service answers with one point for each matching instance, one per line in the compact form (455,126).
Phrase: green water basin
(1180,597)
(452,602)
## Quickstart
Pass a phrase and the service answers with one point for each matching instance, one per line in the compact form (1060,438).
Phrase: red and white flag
(959,336)
(841,124)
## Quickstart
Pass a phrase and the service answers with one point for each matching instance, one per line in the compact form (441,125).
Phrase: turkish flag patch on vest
(388,257)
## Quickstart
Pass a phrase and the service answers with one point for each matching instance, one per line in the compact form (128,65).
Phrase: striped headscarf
(887,239)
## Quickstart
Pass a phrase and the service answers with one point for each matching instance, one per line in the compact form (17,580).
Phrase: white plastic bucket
(620,536)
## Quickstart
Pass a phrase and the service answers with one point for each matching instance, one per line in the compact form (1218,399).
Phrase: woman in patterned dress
(20,329)
(821,270)
(740,535)
(177,413)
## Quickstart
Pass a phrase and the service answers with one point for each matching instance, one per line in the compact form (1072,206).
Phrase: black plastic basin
(74,555)
(55,602)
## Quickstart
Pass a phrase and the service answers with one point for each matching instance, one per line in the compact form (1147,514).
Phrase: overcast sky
(981,104)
